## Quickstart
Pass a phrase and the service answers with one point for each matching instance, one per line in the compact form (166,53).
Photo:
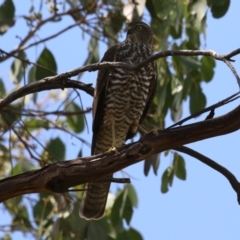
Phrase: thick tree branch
(59,177)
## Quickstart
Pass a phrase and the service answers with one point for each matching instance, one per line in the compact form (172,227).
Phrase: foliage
(34,129)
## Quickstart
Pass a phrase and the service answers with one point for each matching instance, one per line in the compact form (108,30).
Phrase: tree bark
(59,177)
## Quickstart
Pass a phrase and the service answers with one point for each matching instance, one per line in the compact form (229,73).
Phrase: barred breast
(126,95)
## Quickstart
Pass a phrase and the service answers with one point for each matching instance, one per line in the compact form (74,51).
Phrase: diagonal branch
(59,177)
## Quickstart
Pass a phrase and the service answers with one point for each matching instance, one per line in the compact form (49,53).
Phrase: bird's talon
(112,149)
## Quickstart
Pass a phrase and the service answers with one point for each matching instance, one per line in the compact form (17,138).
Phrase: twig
(62,80)
(26,61)
(210,108)
(35,29)
(50,37)
(39,113)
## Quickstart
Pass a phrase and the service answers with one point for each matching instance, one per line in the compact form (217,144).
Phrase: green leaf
(166,153)
(79,153)
(198,8)
(160,37)
(56,150)
(176,107)
(76,122)
(167,179)
(187,86)
(207,68)
(219,8)
(216,2)
(18,68)
(190,63)
(164,8)
(197,99)
(23,218)
(10,115)
(7,11)
(134,234)
(41,211)
(93,48)
(193,38)
(47,61)
(6,236)
(123,235)
(32,74)
(176,33)
(23,165)
(179,166)
(4,157)
(122,209)
(132,194)
(127,210)
(96,232)
(35,124)
(2,89)
(152,161)
(12,204)
(31,79)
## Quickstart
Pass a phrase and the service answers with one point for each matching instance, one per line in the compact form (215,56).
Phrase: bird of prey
(122,98)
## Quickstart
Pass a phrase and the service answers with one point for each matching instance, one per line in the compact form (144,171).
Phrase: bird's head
(139,32)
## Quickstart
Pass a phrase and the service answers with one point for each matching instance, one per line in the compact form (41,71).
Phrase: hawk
(122,98)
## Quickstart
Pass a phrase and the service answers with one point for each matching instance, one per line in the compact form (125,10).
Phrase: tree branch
(226,173)
(44,85)
(62,81)
(59,177)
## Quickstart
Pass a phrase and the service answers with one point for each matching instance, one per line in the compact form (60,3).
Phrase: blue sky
(202,207)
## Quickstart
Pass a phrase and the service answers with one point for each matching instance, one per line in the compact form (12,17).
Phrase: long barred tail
(94,199)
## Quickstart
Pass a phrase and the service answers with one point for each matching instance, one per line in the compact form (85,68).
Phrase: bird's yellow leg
(113,148)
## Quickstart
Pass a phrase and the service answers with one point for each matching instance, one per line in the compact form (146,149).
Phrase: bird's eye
(139,28)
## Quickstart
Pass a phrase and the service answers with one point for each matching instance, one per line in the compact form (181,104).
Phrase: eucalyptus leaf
(179,167)
(76,122)
(207,68)
(7,12)
(2,89)
(197,99)
(55,150)
(132,194)
(47,65)
(220,8)
(18,68)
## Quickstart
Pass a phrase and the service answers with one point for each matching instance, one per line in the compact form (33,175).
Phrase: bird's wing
(100,93)
(151,93)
